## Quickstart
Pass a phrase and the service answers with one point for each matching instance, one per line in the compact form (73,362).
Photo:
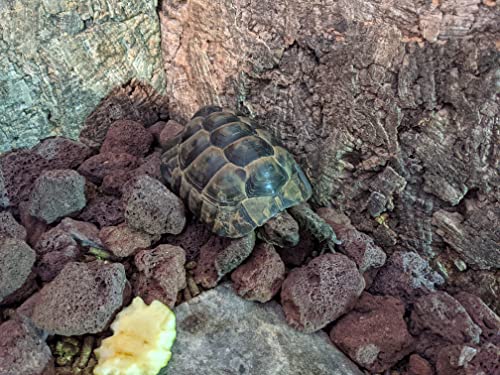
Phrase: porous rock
(81,299)
(192,238)
(439,315)
(56,194)
(34,227)
(99,166)
(103,210)
(62,153)
(485,361)
(151,207)
(10,227)
(262,342)
(124,241)
(453,359)
(374,333)
(16,261)
(49,265)
(161,274)
(419,366)
(86,234)
(220,256)
(54,239)
(127,136)
(260,277)
(169,132)
(406,275)
(156,129)
(22,351)
(321,291)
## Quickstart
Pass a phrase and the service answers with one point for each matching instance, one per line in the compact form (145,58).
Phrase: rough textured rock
(220,256)
(438,318)
(64,57)
(152,208)
(81,299)
(126,136)
(374,333)
(103,210)
(260,277)
(124,241)
(16,261)
(194,236)
(262,342)
(161,274)
(10,227)
(419,366)
(54,239)
(316,294)
(86,234)
(22,351)
(57,194)
(406,275)
(50,264)
(452,360)
(99,166)
(62,153)
(169,132)
(485,361)
(34,227)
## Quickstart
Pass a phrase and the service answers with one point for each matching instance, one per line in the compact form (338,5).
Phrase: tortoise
(236,177)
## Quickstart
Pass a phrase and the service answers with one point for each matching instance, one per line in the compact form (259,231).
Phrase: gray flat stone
(221,333)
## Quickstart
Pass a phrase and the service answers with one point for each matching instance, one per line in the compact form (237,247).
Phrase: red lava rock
(16,261)
(50,264)
(151,207)
(57,193)
(99,166)
(316,294)
(150,166)
(124,241)
(22,351)
(103,210)
(486,361)
(439,318)
(482,315)
(34,227)
(126,136)
(219,256)
(18,172)
(156,129)
(54,239)
(261,276)
(453,359)
(81,299)
(10,227)
(86,234)
(63,153)
(419,366)
(161,274)
(374,333)
(406,276)
(169,132)
(296,255)
(334,218)
(360,248)
(194,236)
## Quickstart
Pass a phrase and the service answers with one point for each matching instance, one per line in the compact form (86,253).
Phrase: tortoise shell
(231,174)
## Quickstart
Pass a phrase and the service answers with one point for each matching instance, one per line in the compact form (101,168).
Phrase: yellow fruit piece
(141,340)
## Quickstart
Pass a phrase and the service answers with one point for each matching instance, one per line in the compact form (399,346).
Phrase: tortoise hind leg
(309,220)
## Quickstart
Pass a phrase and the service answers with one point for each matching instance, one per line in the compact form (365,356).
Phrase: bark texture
(58,59)
(389,106)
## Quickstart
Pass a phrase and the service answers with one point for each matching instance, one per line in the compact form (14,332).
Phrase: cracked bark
(390,109)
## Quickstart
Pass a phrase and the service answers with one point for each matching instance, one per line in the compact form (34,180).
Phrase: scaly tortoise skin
(232,175)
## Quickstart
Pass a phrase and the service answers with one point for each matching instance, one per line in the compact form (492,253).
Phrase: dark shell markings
(231,174)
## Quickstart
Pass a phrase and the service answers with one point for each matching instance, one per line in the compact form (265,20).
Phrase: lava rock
(419,366)
(194,236)
(261,341)
(221,255)
(360,248)
(22,351)
(452,359)
(482,315)
(99,166)
(35,228)
(261,276)
(161,274)
(296,255)
(16,261)
(316,294)
(282,230)
(50,264)
(126,136)
(10,227)
(103,210)
(18,172)
(440,317)
(485,361)
(152,208)
(54,239)
(171,130)
(81,299)
(374,333)
(86,234)
(406,276)
(156,129)
(62,153)
(124,241)
(57,193)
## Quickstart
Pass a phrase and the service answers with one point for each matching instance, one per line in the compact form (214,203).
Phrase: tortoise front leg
(309,220)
